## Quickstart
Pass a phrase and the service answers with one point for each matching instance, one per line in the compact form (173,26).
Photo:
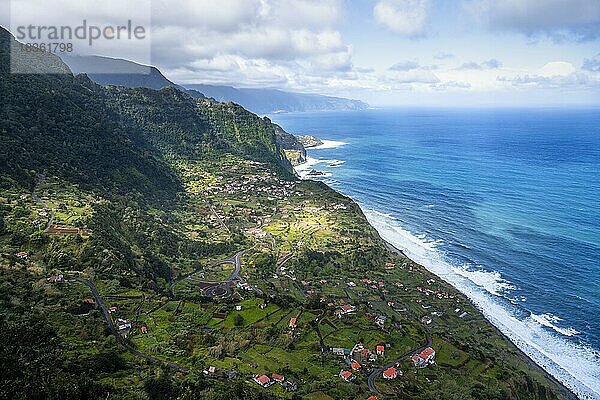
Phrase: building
(56,279)
(292,323)
(424,358)
(144,329)
(277,378)
(238,308)
(89,301)
(355,366)
(390,373)
(23,255)
(347,375)
(263,380)
(380,350)
(338,351)
(289,386)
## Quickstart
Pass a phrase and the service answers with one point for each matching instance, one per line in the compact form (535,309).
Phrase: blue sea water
(502,203)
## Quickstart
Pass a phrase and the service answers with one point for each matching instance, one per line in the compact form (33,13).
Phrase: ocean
(502,203)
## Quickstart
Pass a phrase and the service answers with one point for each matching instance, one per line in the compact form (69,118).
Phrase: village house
(112,309)
(23,255)
(277,378)
(347,375)
(380,350)
(380,320)
(292,324)
(345,310)
(340,351)
(390,265)
(263,380)
(123,324)
(56,279)
(89,301)
(289,386)
(390,373)
(355,366)
(424,358)
(238,308)
(144,329)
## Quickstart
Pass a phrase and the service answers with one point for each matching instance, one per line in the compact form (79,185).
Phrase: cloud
(404,17)
(451,85)
(411,66)
(556,75)
(443,56)
(243,42)
(490,64)
(560,20)
(592,64)
(410,77)
(405,66)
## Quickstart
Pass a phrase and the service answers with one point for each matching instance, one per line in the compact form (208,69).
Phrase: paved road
(378,371)
(222,288)
(115,332)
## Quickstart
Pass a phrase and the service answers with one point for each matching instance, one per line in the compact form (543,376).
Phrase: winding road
(217,289)
(120,340)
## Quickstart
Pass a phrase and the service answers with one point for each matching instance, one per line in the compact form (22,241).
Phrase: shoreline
(570,394)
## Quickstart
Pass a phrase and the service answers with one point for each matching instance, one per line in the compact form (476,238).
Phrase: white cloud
(556,68)
(404,17)
(555,75)
(558,19)
(472,65)
(592,64)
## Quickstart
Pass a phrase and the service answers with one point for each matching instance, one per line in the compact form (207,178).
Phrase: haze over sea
(502,203)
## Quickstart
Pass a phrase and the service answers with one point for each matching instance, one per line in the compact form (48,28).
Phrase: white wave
(328,144)
(490,281)
(548,320)
(576,366)
(335,163)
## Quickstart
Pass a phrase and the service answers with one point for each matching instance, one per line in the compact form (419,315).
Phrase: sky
(385,52)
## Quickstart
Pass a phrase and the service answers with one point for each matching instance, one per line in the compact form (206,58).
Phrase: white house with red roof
(347,375)
(424,358)
(263,380)
(390,373)
(380,350)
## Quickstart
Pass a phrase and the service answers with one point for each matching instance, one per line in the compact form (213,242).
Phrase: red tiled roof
(427,353)
(263,379)
(390,372)
(277,377)
(346,374)
(355,365)
(380,348)
(416,358)
(346,307)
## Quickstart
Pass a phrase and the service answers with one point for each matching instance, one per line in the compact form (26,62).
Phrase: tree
(238,320)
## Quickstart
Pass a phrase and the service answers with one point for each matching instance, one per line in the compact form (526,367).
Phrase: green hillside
(157,246)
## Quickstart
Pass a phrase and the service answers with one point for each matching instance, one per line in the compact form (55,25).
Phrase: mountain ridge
(121,72)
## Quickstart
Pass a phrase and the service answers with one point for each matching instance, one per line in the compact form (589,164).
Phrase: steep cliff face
(293,148)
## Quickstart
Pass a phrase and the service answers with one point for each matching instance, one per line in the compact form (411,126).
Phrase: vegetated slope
(59,123)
